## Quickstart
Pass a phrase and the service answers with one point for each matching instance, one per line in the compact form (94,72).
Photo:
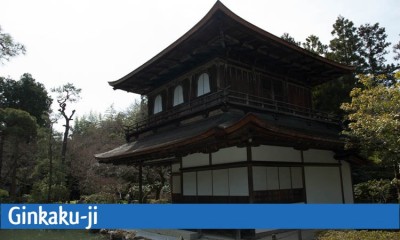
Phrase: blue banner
(200,216)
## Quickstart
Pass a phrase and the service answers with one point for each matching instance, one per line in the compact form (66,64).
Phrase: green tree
(374,191)
(314,45)
(345,45)
(25,94)
(396,50)
(374,122)
(8,47)
(373,50)
(344,48)
(290,39)
(48,174)
(19,129)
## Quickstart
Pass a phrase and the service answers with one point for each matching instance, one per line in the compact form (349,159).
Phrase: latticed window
(157,104)
(178,95)
(203,84)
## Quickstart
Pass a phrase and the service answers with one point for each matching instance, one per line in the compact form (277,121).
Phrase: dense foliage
(374,122)
(375,191)
(364,47)
(26,94)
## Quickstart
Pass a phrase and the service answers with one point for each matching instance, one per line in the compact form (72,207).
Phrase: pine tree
(396,50)
(290,39)
(373,50)
(344,48)
(314,45)
(346,43)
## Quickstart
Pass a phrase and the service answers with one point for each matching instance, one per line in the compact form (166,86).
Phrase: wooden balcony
(223,99)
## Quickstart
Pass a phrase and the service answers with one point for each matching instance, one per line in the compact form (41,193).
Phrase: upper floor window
(178,95)
(203,84)
(157,104)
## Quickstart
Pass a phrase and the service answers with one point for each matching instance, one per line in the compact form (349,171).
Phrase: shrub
(359,235)
(375,191)
(159,201)
(59,193)
(100,197)
(3,195)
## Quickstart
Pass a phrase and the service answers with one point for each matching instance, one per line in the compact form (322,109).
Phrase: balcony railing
(267,104)
(222,98)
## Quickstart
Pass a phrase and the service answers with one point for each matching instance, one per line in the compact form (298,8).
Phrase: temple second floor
(225,62)
(220,85)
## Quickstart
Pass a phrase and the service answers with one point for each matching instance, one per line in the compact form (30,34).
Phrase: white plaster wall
(347,183)
(204,183)
(176,184)
(175,167)
(195,160)
(285,181)
(263,181)
(275,153)
(272,178)
(259,178)
(221,182)
(323,185)
(319,156)
(189,183)
(228,155)
(297,179)
(238,182)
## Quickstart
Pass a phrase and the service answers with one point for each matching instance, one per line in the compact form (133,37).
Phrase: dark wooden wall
(260,84)
(242,79)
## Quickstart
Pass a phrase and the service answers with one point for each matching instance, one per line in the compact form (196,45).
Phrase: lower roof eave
(214,137)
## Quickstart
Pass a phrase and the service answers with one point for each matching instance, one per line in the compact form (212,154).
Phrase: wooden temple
(229,108)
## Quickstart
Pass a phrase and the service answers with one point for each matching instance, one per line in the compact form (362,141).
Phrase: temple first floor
(238,157)
(262,174)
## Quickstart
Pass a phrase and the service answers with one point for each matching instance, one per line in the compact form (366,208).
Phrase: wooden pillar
(352,184)
(303,176)
(341,180)
(181,176)
(250,174)
(299,235)
(238,234)
(140,182)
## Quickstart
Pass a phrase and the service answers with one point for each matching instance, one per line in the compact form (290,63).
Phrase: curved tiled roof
(221,131)
(173,59)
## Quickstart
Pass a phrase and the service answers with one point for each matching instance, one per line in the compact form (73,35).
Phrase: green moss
(359,235)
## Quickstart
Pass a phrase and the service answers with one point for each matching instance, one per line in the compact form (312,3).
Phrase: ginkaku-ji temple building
(229,108)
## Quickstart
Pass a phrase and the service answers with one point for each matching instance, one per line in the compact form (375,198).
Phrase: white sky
(89,43)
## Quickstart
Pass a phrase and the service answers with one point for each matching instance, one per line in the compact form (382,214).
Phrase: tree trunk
(50,154)
(13,187)
(396,169)
(65,141)
(1,153)
(67,167)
